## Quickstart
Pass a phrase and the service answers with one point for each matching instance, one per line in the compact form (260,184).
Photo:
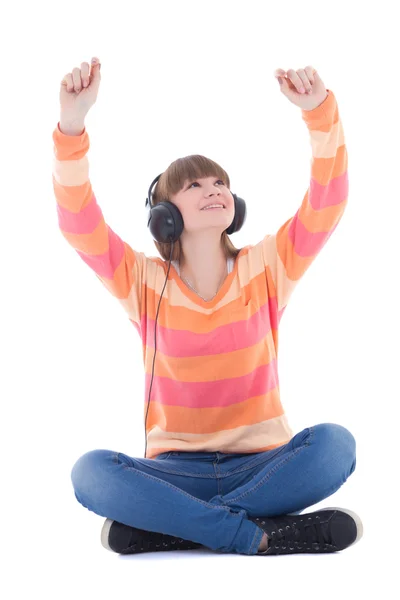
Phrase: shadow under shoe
(124,539)
(322,531)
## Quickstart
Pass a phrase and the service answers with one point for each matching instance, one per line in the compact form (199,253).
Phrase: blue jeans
(207,497)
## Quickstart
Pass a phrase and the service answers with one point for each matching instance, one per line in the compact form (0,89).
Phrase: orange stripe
(240,363)
(182,317)
(208,420)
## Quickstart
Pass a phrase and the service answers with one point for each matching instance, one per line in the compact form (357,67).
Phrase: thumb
(95,72)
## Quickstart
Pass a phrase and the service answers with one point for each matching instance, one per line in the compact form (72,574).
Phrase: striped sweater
(216,384)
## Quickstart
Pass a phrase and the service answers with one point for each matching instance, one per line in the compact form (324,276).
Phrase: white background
(182,78)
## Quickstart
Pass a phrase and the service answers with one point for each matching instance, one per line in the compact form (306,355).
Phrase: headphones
(166,225)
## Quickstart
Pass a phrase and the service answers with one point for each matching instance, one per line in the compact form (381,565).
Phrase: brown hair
(173,180)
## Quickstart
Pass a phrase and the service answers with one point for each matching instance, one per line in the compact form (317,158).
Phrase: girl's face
(197,194)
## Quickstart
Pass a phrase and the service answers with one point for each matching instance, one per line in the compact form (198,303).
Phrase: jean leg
(113,486)
(314,465)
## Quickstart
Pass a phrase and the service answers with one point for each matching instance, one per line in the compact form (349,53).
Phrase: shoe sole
(105,533)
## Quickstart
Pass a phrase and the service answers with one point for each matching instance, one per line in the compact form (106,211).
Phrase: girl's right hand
(79,91)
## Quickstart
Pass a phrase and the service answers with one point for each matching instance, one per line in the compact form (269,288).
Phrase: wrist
(71,127)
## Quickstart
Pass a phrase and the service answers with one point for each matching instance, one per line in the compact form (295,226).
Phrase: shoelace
(301,534)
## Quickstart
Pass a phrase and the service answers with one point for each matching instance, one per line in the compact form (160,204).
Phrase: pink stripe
(305,242)
(85,221)
(227,338)
(321,196)
(107,263)
(212,394)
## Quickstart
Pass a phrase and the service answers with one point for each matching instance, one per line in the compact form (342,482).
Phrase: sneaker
(124,539)
(322,531)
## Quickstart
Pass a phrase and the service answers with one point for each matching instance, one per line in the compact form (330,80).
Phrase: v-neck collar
(194,297)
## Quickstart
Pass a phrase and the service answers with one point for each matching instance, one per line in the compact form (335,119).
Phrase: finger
(279,73)
(76,78)
(310,74)
(85,74)
(69,82)
(304,78)
(96,66)
(295,79)
(95,72)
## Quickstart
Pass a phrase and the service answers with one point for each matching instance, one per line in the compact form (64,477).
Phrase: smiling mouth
(214,208)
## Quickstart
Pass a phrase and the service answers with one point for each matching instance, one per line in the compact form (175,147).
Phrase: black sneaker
(322,531)
(124,539)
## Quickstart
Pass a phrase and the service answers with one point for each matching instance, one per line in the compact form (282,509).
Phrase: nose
(214,191)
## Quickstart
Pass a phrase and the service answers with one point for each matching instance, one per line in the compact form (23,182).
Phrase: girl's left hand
(292,81)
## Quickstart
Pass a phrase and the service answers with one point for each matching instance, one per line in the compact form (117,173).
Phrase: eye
(197,183)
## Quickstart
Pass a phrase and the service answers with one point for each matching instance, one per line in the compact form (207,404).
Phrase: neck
(203,264)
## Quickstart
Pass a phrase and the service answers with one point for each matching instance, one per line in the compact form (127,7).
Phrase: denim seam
(255,541)
(217,476)
(138,472)
(273,471)
(166,469)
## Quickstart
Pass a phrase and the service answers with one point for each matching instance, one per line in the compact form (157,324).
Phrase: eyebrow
(199,178)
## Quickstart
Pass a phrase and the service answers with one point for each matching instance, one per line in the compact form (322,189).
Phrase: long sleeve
(119,268)
(289,253)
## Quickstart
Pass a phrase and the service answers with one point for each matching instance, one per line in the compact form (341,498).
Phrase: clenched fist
(79,91)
